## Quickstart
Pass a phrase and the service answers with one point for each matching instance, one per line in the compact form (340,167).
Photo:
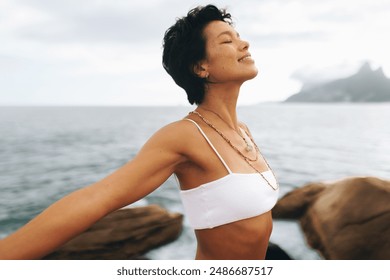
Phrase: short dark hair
(185,45)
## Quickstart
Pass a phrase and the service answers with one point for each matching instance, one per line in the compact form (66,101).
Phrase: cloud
(108,52)
(87,21)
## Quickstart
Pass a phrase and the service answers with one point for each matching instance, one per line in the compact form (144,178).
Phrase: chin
(253,74)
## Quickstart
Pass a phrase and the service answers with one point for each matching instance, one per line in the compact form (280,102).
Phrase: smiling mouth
(246,57)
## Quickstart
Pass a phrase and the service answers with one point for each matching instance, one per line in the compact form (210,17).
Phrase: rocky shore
(123,235)
(129,233)
(347,219)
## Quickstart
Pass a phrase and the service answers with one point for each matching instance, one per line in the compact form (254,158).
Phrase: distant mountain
(364,86)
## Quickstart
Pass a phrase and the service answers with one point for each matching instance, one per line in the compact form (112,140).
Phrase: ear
(200,69)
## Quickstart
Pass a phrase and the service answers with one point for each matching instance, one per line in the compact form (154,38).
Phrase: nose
(244,45)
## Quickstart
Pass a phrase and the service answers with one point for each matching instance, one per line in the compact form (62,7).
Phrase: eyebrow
(228,33)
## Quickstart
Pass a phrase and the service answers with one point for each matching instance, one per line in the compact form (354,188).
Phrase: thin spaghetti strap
(211,144)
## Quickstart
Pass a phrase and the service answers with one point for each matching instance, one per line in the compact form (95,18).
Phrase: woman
(226,185)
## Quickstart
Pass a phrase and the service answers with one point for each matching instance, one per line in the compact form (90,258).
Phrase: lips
(245,57)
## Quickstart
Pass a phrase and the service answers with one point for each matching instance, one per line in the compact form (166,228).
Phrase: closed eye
(229,36)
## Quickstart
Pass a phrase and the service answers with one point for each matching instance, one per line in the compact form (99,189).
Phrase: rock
(351,220)
(294,204)
(347,219)
(274,252)
(124,234)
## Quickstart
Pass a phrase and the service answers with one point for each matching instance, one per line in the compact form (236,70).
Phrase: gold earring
(207,75)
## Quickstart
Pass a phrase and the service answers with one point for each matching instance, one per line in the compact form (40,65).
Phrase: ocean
(48,152)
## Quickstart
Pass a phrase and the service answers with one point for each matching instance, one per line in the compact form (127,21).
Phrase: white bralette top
(234,197)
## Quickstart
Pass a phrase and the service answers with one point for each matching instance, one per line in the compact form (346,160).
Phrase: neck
(222,101)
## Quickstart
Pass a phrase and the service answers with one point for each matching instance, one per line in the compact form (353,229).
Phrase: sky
(108,53)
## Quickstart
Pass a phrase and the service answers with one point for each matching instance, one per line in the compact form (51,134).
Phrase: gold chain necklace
(247,160)
(249,147)
(225,138)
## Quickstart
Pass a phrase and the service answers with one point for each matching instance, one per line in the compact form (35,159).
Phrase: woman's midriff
(245,240)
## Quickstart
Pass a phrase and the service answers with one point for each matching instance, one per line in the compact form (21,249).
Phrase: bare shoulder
(176,136)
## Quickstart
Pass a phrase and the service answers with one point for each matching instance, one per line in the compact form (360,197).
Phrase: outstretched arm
(77,211)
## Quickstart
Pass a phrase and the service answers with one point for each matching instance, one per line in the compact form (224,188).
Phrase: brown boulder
(347,219)
(124,234)
(294,204)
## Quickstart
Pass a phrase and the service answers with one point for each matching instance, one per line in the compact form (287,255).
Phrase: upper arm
(151,167)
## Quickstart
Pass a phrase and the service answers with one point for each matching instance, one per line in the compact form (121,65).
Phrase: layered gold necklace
(249,147)
(246,158)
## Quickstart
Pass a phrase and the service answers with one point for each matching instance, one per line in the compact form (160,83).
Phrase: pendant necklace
(247,159)
(248,147)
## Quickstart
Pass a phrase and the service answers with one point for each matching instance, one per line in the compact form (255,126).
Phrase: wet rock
(347,219)
(124,234)
(294,204)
